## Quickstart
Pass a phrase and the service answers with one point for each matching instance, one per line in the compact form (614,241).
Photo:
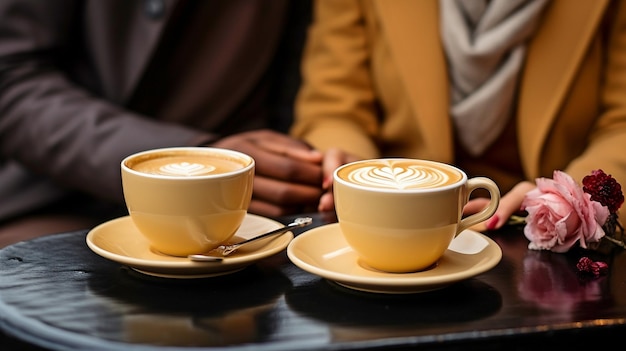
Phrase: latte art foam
(186,169)
(185,164)
(393,174)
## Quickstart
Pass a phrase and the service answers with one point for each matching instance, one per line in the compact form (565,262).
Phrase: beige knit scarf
(485,43)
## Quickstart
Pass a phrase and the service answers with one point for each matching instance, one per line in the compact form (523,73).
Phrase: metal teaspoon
(226,250)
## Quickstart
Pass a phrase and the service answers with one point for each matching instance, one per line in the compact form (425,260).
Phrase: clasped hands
(291,177)
(288,175)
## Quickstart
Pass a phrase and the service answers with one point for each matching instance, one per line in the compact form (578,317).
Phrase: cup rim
(457,184)
(202,149)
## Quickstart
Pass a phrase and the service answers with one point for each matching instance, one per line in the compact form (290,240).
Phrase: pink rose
(561,213)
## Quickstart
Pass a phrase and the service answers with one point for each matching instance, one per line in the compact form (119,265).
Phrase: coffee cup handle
(487,212)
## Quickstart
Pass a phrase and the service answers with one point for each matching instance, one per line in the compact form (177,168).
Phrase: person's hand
(288,174)
(333,158)
(510,203)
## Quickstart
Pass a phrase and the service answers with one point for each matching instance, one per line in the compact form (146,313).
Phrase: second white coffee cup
(400,215)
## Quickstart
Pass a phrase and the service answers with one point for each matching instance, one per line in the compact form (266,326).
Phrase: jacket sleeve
(50,125)
(334,107)
(607,135)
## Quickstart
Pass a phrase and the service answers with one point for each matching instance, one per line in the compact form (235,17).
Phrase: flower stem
(515,220)
(615,241)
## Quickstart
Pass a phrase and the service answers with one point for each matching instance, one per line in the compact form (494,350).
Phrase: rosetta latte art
(400,177)
(186,169)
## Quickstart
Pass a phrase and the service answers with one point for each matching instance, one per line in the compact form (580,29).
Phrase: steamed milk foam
(400,174)
(185,164)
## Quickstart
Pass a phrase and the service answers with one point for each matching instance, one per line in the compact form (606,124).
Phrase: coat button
(154,8)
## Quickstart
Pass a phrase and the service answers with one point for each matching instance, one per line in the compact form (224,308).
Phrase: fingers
(272,142)
(288,172)
(289,175)
(327,203)
(333,158)
(475,206)
(280,144)
(510,203)
(278,156)
(274,198)
(287,169)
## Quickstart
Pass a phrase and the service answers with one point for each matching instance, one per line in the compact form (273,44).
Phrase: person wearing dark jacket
(84,83)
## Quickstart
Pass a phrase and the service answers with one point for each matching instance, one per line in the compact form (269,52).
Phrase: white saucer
(119,241)
(324,252)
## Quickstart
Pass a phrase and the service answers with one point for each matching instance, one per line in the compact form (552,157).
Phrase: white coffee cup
(400,215)
(187,200)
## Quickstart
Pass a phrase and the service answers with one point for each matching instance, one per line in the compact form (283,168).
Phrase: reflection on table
(57,294)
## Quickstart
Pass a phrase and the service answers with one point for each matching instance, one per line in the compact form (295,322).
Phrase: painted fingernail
(492,222)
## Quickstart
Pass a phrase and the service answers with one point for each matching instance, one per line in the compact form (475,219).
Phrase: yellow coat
(376,84)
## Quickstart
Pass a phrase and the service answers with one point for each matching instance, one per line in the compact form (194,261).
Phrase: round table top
(57,294)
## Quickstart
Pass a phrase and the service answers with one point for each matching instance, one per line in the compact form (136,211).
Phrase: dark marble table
(56,294)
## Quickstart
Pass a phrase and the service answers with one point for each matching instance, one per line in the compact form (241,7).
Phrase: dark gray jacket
(67,71)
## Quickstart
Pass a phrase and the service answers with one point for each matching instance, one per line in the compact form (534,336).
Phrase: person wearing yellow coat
(511,89)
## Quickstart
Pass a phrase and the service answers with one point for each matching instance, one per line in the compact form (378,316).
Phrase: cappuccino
(399,215)
(400,174)
(188,199)
(185,164)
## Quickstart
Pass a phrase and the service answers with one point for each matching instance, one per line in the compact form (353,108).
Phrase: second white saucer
(323,251)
